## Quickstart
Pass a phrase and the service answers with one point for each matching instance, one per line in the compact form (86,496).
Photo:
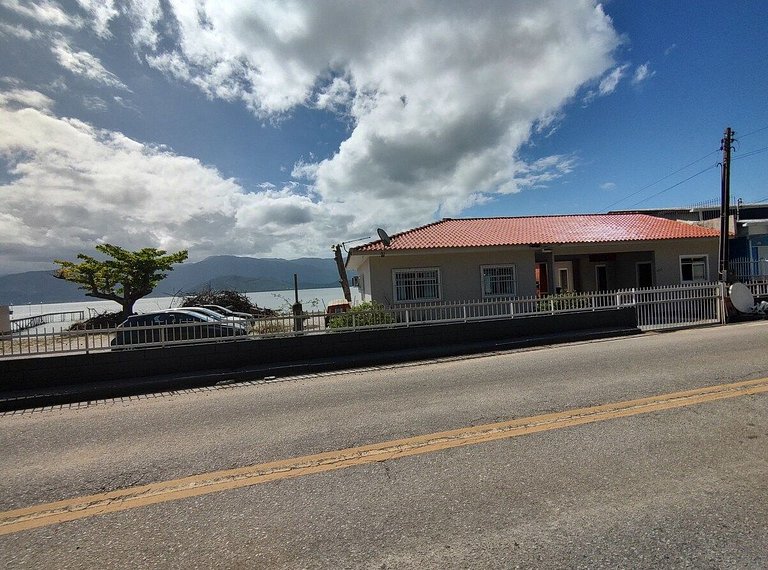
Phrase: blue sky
(276,129)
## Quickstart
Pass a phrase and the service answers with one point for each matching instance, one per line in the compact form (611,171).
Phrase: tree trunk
(127,307)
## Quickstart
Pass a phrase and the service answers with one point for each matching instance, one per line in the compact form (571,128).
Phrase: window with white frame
(694,268)
(498,280)
(416,284)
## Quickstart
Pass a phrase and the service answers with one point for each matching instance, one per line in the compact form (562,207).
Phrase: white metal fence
(657,308)
(35,321)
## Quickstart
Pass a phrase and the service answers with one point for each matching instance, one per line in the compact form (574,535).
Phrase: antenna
(385,239)
(741,298)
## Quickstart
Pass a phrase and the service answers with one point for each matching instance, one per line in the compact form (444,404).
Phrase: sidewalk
(28,399)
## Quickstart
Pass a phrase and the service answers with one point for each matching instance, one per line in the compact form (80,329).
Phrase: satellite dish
(741,297)
(385,239)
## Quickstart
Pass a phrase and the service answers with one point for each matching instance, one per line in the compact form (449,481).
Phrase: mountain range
(221,272)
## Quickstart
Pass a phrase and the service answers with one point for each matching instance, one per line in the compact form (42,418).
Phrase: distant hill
(244,274)
(37,287)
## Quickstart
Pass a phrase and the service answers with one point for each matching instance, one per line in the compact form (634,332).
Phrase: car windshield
(212,315)
(196,316)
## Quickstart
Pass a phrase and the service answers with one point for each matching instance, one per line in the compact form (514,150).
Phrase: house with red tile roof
(487,258)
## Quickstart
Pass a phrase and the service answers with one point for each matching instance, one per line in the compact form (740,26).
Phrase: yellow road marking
(123,499)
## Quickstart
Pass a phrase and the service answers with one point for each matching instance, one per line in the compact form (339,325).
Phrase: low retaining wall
(48,372)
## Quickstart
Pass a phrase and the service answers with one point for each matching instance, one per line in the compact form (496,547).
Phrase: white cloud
(16,98)
(336,96)
(95,103)
(17,31)
(101,12)
(611,80)
(74,185)
(84,64)
(45,12)
(608,186)
(642,73)
(440,97)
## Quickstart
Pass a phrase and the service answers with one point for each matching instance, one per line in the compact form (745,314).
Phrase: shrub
(563,302)
(364,314)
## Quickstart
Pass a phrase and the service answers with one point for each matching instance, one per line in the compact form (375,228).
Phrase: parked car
(229,312)
(217,315)
(172,325)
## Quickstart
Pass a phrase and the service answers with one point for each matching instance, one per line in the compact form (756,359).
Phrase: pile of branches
(105,320)
(231,300)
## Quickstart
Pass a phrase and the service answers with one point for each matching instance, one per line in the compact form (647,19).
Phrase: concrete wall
(40,373)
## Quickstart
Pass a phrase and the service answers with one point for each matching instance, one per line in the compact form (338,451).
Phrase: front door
(564,274)
(601,277)
(644,274)
(542,279)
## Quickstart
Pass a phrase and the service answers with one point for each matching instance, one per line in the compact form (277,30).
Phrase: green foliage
(124,278)
(364,314)
(228,299)
(563,302)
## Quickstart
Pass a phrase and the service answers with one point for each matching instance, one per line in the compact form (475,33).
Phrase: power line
(636,192)
(674,185)
(752,153)
(753,132)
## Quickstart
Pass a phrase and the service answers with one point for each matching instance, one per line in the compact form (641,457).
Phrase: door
(644,274)
(542,279)
(564,275)
(762,256)
(601,277)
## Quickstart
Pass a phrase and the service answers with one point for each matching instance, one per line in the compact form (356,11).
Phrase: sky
(277,129)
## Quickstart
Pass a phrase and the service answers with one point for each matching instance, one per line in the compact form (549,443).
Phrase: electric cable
(751,153)
(675,185)
(635,193)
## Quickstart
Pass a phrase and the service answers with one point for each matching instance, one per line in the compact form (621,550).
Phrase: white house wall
(665,255)
(460,277)
(364,280)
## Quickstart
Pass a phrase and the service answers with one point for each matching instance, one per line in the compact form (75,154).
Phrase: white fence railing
(657,308)
(675,306)
(35,321)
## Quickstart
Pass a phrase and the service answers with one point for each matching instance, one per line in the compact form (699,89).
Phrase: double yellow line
(133,497)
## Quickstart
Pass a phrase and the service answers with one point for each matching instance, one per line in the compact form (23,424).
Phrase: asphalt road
(684,487)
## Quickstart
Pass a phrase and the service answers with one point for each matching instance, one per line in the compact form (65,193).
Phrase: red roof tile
(591,228)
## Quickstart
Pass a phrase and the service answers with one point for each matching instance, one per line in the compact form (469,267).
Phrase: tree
(125,278)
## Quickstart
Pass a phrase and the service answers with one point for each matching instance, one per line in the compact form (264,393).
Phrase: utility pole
(725,204)
(342,271)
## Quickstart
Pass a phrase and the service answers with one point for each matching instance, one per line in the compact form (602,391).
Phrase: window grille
(498,280)
(417,284)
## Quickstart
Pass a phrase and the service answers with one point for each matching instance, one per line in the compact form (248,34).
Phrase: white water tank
(5,319)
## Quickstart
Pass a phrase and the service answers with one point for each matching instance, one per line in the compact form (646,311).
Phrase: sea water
(311,300)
